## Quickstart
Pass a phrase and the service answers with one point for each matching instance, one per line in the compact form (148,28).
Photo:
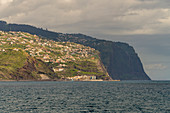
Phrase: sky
(144,24)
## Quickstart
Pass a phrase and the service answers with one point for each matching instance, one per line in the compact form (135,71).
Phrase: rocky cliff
(120,59)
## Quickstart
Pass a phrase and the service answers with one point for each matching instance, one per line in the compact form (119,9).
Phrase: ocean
(85,97)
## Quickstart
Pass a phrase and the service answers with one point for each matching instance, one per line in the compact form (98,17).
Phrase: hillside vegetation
(28,57)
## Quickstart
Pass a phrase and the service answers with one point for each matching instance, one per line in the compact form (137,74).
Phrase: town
(48,51)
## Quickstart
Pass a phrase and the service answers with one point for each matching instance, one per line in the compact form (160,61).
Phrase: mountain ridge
(120,59)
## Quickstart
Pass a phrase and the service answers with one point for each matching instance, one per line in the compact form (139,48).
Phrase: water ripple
(84,97)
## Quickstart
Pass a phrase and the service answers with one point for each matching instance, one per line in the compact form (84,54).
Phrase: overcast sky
(144,24)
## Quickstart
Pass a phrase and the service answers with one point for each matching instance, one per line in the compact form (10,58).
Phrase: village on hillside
(48,51)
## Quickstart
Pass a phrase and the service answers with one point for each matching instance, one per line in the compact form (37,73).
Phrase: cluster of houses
(45,50)
(82,78)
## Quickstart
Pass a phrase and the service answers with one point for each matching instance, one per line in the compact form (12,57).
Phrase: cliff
(128,63)
(120,59)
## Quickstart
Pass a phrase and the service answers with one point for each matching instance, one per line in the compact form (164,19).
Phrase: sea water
(85,97)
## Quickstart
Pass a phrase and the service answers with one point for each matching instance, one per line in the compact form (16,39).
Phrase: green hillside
(18,65)
(28,57)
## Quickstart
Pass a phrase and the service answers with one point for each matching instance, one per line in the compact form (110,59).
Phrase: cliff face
(120,59)
(128,64)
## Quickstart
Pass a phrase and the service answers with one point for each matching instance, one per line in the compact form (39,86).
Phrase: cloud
(4,2)
(155,67)
(110,17)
